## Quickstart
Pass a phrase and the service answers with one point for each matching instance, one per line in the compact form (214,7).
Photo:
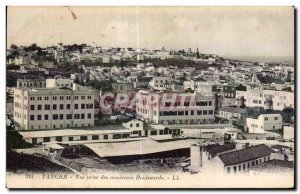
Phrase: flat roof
(142,147)
(69,132)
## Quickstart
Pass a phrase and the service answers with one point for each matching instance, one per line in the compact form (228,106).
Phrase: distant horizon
(249,58)
(225,31)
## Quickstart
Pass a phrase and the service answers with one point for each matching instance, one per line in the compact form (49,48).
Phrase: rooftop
(215,150)
(274,166)
(245,155)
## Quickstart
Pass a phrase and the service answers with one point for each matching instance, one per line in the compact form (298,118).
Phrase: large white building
(264,122)
(256,96)
(61,104)
(159,82)
(201,110)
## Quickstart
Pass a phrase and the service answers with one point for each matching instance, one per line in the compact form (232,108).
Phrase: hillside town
(87,109)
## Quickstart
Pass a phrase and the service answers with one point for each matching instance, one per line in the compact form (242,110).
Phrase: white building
(288,132)
(31,83)
(193,108)
(60,104)
(264,122)
(159,82)
(256,96)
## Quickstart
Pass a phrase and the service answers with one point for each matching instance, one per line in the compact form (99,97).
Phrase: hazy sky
(235,31)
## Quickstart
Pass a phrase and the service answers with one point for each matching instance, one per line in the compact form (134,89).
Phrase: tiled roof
(245,155)
(281,166)
(233,109)
(221,148)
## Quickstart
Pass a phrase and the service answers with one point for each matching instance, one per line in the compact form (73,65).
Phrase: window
(31,107)
(82,97)
(54,98)
(95,137)
(61,98)
(58,138)
(205,112)
(275,118)
(89,115)
(209,103)
(89,97)
(137,125)
(61,117)
(61,106)
(82,116)
(153,133)
(46,98)
(83,138)
(47,106)
(77,116)
(68,97)
(234,169)
(39,98)
(192,112)
(244,166)
(39,117)
(31,98)
(46,139)
(68,106)
(76,97)
(76,106)
(46,117)
(71,139)
(199,112)
(210,112)
(69,116)
(228,170)
(105,136)
(54,107)
(82,106)
(32,117)
(240,167)
(55,117)
(130,125)
(266,118)
(39,107)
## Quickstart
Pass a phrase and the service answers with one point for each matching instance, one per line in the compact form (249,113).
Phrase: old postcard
(150,97)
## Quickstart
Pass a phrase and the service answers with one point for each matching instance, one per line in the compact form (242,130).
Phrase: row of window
(179,104)
(275,118)
(60,117)
(61,126)
(46,98)
(187,113)
(83,138)
(193,121)
(60,106)
(242,167)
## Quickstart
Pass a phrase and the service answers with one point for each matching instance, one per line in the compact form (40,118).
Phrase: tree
(13,47)
(13,139)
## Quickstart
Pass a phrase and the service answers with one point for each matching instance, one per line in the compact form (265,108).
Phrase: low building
(264,122)
(289,132)
(31,83)
(242,160)
(229,113)
(282,167)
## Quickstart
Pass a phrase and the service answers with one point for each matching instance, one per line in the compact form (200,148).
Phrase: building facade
(194,108)
(53,107)
(264,122)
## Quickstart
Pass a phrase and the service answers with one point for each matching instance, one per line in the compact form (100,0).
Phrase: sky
(226,31)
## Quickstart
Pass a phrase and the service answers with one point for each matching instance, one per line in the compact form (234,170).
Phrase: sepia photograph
(150,97)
